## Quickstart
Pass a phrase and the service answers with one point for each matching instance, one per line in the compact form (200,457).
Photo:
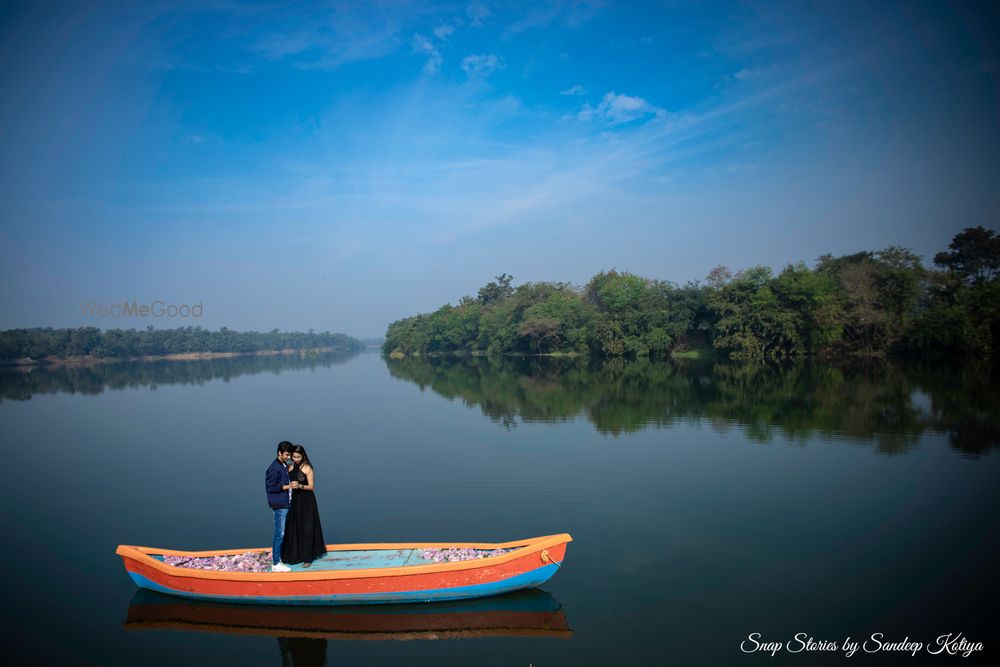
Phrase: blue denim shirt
(275,478)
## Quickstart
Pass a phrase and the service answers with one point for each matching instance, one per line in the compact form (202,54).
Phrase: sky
(338,166)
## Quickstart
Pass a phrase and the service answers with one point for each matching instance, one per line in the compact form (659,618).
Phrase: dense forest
(126,343)
(869,303)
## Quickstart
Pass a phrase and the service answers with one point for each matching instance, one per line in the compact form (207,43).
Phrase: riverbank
(396,354)
(186,356)
(691,354)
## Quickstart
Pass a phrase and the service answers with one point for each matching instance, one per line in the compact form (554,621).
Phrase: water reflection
(888,405)
(20,383)
(302,632)
(302,652)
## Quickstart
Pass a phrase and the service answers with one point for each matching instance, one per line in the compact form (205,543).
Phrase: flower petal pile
(252,561)
(452,554)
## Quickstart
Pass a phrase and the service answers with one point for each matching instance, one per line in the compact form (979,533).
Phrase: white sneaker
(280,567)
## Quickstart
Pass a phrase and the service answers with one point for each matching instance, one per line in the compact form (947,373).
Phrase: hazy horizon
(340,167)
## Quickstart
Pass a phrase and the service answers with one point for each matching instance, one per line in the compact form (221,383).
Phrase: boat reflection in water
(527,613)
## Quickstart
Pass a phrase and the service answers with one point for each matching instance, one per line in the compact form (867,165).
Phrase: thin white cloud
(443,31)
(481,65)
(617,109)
(542,15)
(745,73)
(573,90)
(752,74)
(326,38)
(477,14)
(423,45)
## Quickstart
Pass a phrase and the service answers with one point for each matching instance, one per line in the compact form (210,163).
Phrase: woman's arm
(309,485)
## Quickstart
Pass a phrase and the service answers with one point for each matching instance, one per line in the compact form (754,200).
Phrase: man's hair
(285,446)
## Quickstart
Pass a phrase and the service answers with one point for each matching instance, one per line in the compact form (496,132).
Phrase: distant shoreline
(87,360)
(699,353)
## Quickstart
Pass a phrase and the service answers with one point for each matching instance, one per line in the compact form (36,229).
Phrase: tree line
(872,303)
(39,343)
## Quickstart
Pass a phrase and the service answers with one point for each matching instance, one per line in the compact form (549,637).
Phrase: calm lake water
(706,503)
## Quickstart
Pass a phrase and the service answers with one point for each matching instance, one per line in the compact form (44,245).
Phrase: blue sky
(339,166)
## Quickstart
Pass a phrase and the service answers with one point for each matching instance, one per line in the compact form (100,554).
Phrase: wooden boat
(527,613)
(356,574)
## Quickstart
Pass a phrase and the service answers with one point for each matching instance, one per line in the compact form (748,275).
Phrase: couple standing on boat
(298,534)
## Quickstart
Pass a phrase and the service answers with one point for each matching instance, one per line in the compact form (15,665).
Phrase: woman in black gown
(303,541)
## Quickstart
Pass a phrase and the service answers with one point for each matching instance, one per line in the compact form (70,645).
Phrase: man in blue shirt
(278,488)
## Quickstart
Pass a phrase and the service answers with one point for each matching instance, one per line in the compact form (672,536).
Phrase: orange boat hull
(529,564)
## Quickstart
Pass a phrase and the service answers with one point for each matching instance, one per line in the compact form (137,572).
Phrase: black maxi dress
(303,541)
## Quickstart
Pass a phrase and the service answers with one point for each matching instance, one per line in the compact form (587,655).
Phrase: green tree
(973,255)
(496,291)
(540,329)
(751,323)
(810,297)
(961,316)
(878,295)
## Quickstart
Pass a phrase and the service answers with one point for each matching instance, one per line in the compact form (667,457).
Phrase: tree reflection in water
(887,405)
(20,383)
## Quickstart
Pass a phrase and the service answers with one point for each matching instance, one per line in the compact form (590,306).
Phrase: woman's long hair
(299,449)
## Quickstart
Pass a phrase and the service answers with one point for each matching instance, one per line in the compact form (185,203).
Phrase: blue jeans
(279,534)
